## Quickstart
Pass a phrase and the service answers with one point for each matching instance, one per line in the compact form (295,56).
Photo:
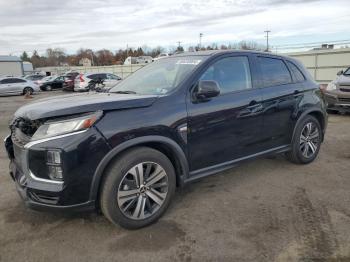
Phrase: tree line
(104,57)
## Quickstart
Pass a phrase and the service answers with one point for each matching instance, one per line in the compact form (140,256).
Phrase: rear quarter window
(274,72)
(298,76)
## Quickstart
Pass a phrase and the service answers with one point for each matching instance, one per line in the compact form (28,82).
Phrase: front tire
(48,88)
(306,141)
(137,188)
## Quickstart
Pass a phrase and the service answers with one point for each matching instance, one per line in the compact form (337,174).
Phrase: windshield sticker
(188,62)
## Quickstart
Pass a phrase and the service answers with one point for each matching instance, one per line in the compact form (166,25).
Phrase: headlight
(67,125)
(331,86)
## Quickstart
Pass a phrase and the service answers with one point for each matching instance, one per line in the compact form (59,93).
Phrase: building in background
(28,68)
(85,62)
(324,63)
(11,66)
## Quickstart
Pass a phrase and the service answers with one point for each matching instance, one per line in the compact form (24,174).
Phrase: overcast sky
(112,24)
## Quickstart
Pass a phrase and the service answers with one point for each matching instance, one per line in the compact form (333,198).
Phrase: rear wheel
(28,91)
(137,188)
(306,142)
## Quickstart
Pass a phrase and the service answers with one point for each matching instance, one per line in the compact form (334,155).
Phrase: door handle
(255,108)
(251,110)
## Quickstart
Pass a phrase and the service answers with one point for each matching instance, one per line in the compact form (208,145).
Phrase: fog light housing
(54,163)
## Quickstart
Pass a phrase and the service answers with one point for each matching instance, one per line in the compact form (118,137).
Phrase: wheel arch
(163,144)
(27,87)
(318,114)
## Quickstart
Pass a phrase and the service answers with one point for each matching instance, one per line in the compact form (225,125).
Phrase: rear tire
(306,141)
(28,90)
(137,188)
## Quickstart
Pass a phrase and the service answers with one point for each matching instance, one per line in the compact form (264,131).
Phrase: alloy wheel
(142,190)
(309,140)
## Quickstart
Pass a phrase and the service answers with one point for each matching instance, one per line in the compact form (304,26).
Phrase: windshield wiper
(124,92)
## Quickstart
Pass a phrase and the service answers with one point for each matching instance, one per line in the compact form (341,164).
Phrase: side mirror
(340,73)
(207,89)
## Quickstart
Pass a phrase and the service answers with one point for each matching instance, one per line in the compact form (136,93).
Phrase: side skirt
(200,173)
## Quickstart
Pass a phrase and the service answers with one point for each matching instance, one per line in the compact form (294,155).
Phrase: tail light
(81,78)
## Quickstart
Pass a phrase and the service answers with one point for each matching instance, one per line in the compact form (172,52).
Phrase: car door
(58,82)
(5,86)
(16,85)
(228,126)
(281,96)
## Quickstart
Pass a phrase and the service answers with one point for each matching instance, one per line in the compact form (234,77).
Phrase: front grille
(344,89)
(344,99)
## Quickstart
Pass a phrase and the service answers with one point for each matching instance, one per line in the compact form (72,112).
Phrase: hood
(343,80)
(82,103)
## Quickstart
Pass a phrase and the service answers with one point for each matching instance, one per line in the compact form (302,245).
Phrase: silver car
(17,86)
(337,93)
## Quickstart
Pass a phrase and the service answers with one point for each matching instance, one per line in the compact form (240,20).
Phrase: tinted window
(232,74)
(297,74)
(274,72)
(15,80)
(5,81)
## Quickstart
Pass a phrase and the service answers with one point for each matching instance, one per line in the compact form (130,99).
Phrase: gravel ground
(265,210)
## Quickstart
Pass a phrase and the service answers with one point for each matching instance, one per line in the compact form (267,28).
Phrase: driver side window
(231,73)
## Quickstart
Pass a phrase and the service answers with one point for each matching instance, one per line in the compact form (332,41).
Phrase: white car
(17,86)
(83,81)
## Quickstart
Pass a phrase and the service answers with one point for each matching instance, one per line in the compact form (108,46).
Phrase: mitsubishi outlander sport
(178,119)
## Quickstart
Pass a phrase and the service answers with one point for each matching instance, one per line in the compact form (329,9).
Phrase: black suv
(173,121)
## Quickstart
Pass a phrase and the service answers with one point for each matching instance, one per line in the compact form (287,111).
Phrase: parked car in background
(17,86)
(68,84)
(34,77)
(337,93)
(84,82)
(51,82)
(174,121)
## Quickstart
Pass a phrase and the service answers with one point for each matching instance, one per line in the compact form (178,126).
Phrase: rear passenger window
(274,72)
(297,74)
(231,73)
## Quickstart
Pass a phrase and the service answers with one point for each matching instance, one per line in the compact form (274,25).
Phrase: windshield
(159,77)
(347,72)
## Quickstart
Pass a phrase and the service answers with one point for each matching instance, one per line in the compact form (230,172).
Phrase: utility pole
(267,39)
(127,50)
(178,43)
(200,40)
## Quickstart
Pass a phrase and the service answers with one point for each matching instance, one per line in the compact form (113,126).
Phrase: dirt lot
(266,210)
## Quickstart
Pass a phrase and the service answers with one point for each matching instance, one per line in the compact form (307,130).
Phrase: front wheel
(306,141)
(137,188)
